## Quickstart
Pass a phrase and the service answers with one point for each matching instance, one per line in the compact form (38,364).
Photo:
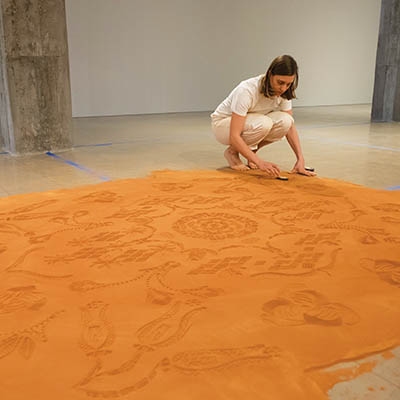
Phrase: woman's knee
(221,131)
(285,120)
(260,124)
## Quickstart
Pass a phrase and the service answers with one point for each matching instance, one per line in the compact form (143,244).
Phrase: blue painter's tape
(79,166)
(160,140)
(393,188)
(94,145)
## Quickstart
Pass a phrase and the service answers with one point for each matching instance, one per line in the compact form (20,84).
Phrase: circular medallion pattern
(215,226)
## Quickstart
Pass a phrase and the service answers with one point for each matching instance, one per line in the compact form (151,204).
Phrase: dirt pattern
(195,284)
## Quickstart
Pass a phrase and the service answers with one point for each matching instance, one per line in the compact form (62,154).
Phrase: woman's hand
(268,167)
(299,169)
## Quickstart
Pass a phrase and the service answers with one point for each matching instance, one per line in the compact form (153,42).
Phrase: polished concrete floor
(338,141)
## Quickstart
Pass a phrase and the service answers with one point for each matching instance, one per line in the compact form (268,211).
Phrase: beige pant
(257,128)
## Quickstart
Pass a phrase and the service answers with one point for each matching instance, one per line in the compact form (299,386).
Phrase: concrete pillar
(35,92)
(386,98)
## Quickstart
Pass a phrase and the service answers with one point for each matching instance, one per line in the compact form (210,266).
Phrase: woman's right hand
(268,167)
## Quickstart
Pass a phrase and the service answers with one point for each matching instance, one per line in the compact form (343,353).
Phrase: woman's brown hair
(282,65)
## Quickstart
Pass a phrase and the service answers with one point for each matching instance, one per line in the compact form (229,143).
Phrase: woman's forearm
(294,142)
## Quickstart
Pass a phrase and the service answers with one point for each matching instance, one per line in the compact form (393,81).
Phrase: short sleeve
(241,101)
(286,105)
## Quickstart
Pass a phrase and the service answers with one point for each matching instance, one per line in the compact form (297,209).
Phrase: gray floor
(339,141)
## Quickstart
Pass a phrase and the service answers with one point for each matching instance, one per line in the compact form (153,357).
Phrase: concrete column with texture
(386,98)
(6,128)
(35,94)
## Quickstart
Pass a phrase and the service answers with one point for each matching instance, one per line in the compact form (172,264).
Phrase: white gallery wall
(159,56)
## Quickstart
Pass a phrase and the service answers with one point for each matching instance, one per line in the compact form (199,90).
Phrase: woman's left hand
(299,169)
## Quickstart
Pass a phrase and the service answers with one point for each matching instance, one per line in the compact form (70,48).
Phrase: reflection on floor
(339,141)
